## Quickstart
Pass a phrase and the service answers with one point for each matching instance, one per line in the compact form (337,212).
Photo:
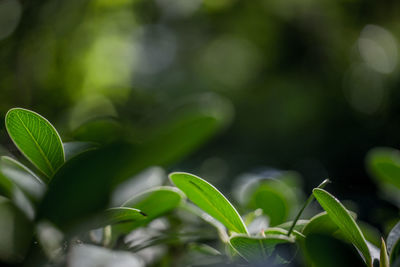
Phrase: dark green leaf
(324,250)
(36,138)
(82,186)
(208,198)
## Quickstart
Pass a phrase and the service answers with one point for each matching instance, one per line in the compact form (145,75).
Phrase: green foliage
(208,198)
(345,222)
(384,163)
(384,259)
(37,139)
(74,202)
(393,243)
(257,248)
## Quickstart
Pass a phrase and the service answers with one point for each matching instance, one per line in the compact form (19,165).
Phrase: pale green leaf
(36,138)
(119,215)
(257,248)
(150,201)
(384,259)
(393,243)
(342,218)
(209,199)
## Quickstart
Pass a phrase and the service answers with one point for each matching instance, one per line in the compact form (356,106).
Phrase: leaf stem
(309,200)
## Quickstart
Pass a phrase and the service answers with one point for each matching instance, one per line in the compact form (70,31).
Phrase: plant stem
(309,200)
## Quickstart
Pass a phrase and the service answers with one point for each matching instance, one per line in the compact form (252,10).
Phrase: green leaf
(15,232)
(209,199)
(73,149)
(82,187)
(272,197)
(393,243)
(257,248)
(342,218)
(149,202)
(320,223)
(384,164)
(324,250)
(119,215)
(36,138)
(384,259)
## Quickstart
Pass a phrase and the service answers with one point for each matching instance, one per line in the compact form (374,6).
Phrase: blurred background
(303,85)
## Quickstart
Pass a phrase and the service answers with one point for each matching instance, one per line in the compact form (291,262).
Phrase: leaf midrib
(221,214)
(37,145)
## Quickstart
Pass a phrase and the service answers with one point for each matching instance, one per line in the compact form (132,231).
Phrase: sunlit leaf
(119,215)
(36,138)
(208,198)
(384,258)
(342,218)
(256,248)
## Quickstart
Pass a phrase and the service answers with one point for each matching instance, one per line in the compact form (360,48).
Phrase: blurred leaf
(24,178)
(99,130)
(72,149)
(320,223)
(208,198)
(342,218)
(384,163)
(180,133)
(119,215)
(82,186)
(36,138)
(154,203)
(393,243)
(149,178)
(6,187)
(323,250)
(271,197)
(256,248)
(298,227)
(384,259)
(15,232)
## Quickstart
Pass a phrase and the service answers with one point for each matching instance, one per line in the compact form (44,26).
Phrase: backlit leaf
(342,218)
(209,199)
(36,138)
